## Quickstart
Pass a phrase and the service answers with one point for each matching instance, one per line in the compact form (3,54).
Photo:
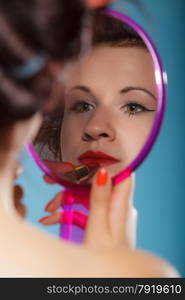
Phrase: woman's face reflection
(110,105)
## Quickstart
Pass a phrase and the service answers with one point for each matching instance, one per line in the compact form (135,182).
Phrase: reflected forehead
(123,53)
(132,65)
(107,54)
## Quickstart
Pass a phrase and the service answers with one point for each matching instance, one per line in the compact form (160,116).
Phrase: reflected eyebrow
(123,91)
(82,88)
(86,90)
(134,88)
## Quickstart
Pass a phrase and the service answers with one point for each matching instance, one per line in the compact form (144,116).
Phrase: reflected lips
(97,157)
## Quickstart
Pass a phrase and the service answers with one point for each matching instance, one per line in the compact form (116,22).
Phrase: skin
(99,114)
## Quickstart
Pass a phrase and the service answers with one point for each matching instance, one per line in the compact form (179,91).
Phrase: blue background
(160,185)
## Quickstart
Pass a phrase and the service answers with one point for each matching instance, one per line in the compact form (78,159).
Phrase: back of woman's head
(31,32)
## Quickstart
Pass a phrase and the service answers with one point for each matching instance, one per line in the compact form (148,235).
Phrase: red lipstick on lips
(97,157)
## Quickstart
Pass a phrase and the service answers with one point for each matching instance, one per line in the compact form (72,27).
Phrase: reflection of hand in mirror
(71,172)
(110,101)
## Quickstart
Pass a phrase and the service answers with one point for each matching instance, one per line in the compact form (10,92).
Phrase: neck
(7,208)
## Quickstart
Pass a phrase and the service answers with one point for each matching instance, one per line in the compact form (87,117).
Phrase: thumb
(97,230)
(59,167)
(120,212)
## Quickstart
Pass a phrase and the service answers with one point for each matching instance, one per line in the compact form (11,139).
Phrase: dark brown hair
(27,29)
(106,30)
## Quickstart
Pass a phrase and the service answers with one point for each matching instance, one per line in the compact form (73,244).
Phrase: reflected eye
(134,108)
(81,107)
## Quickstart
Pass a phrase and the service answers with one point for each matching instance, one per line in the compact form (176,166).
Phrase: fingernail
(43,220)
(102,177)
(47,179)
(48,206)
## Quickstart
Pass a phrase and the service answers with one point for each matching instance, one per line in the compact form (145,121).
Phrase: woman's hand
(108,230)
(112,218)
(118,210)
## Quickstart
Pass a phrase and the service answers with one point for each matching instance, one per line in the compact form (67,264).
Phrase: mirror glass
(107,103)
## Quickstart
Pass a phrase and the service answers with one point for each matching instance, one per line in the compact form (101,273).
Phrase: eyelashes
(134,108)
(82,106)
(131,108)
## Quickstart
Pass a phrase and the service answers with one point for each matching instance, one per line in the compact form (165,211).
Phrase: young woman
(29,252)
(24,250)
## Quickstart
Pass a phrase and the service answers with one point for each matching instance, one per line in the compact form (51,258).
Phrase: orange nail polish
(97,3)
(43,220)
(102,177)
(47,207)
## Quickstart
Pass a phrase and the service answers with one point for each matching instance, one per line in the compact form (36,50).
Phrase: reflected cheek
(131,140)
(69,141)
(135,140)
(66,143)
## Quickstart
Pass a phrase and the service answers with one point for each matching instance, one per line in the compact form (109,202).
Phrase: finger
(55,218)
(55,203)
(131,229)
(97,230)
(57,169)
(120,209)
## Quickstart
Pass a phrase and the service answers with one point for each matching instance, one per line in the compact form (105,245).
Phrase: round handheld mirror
(112,109)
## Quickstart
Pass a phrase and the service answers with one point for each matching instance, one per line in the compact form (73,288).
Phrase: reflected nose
(99,127)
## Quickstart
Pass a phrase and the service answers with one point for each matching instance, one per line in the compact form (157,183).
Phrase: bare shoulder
(125,263)
(145,264)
